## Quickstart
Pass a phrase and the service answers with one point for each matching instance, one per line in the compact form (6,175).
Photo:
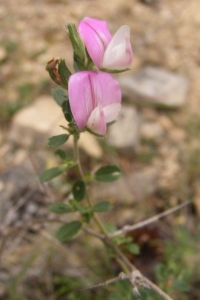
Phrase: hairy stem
(126,265)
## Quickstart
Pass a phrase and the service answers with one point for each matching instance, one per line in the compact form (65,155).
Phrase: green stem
(123,261)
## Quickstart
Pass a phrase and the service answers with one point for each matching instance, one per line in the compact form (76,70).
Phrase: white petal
(118,54)
(96,121)
(111,111)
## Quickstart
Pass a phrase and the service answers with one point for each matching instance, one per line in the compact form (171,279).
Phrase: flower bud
(107,52)
(95,100)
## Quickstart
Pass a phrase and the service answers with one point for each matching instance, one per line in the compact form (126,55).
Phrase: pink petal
(118,54)
(81,97)
(111,111)
(88,92)
(96,36)
(110,88)
(96,121)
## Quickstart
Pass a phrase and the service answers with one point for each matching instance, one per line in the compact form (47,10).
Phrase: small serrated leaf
(49,174)
(60,208)
(59,96)
(102,206)
(68,230)
(78,190)
(108,173)
(58,140)
(61,153)
(133,248)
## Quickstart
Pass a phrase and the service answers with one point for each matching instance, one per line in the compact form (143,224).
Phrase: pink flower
(95,99)
(114,53)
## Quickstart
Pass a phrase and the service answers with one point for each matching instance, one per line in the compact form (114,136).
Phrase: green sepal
(68,230)
(67,110)
(96,134)
(64,73)
(114,71)
(82,60)
(108,173)
(58,140)
(60,208)
(59,95)
(77,43)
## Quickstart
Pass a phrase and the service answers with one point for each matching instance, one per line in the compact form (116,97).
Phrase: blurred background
(156,142)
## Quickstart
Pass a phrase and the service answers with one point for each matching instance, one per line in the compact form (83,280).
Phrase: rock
(125,133)
(197,196)
(165,122)
(178,135)
(33,125)
(15,184)
(155,86)
(151,131)
(170,175)
(132,187)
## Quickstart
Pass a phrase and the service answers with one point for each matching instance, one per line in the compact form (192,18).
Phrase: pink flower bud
(114,53)
(95,100)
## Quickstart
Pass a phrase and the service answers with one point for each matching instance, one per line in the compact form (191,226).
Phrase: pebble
(155,86)
(125,133)
(151,131)
(34,124)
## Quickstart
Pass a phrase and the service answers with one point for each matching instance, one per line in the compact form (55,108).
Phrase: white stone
(155,86)
(151,130)
(39,121)
(125,133)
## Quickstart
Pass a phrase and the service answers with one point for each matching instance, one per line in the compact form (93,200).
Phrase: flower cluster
(94,95)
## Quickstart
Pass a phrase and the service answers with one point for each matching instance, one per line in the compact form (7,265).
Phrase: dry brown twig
(137,280)
(134,275)
(155,218)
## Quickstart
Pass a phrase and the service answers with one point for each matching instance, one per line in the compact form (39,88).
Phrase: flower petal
(110,88)
(111,111)
(96,36)
(81,97)
(96,121)
(118,54)
(89,93)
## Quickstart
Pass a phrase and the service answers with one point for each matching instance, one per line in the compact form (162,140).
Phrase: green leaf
(78,190)
(60,208)
(61,154)
(64,72)
(102,206)
(49,174)
(58,140)
(108,173)
(67,111)
(114,297)
(59,96)
(68,230)
(133,248)
(180,285)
